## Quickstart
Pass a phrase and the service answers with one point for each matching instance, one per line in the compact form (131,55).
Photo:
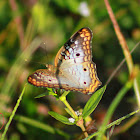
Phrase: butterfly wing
(74,69)
(43,78)
(74,59)
(77,48)
(78,81)
(82,77)
(49,78)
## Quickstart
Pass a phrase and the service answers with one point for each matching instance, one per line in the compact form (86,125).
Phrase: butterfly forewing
(74,69)
(77,48)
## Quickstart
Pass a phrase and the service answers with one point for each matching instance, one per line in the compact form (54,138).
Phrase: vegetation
(32,32)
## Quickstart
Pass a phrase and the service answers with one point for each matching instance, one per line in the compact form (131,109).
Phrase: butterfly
(73,66)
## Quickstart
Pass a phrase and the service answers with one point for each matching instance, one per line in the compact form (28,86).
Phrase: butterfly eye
(84,82)
(85,69)
(78,54)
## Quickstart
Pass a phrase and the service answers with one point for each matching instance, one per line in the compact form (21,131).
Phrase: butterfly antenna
(120,65)
(43,45)
(45,49)
(26,60)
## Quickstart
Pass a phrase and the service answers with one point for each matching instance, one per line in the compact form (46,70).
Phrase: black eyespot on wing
(50,80)
(84,82)
(85,69)
(78,54)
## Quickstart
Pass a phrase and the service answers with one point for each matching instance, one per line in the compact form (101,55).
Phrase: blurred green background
(26,25)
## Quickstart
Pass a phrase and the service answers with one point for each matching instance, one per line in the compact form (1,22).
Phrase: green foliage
(117,122)
(60,118)
(24,25)
(69,112)
(93,102)
(49,92)
(12,115)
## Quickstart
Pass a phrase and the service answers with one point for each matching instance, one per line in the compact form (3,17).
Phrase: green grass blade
(17,67)
(113,123)
(13,114)
(38,124)
(93,102)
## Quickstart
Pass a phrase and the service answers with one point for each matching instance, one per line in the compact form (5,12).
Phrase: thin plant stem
(120,37)
(13,114)
(38,124)
(84,130)
(120,65)
(81,125)
(125,49)
(63,99)
(65,93)
(10,81)
(117,122)
(113,106)
(127,125)
(137,91)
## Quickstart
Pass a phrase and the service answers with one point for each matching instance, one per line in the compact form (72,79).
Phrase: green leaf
(60,118)
(41,95)
(49,92)
(93,102)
